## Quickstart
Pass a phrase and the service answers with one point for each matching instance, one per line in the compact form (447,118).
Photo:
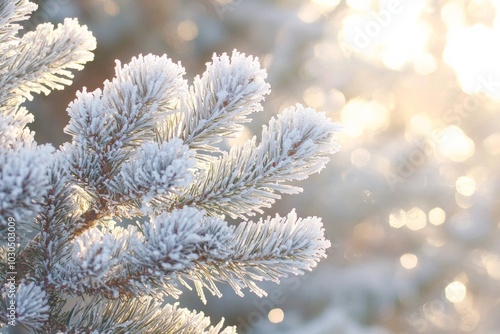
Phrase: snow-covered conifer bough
(143,146)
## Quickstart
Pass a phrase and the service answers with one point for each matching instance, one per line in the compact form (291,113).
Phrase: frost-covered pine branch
(143,148)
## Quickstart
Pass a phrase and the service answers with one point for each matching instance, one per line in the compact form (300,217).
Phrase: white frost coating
(41,67)
(107,126)
(143,148)
(158,169)
(32,308)
(298,242)
(95,253)
(127,105)
(39,61)
(13,131)
(90,119)
(268,250)
(221,99)
(23,181)
(301,136)
(156,78)
(160,319)
(171,240)
(251,176)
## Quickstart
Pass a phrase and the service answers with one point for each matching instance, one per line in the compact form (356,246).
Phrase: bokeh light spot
(455,292)
(111,8)
(454,144)
(276,315)
(408,260)
(359,116)
(437,216)
(187,30)
(314,97)
(465,186)
(416,219)
(492,264)
(397,218)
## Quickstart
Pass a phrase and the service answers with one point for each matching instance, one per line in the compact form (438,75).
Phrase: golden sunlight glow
(187,30)
(437,216)
(408,260)
(472,52)
(455,292)
(276,315)
(416,219)
(465,185)
(421,124)
(454,144)
(452,14)
(391,33)
(406,44)
(359,115)
(425,63)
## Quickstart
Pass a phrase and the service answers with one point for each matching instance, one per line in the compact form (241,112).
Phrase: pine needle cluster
(144,148)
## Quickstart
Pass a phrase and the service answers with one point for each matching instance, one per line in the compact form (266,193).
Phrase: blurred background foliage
(411,201)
